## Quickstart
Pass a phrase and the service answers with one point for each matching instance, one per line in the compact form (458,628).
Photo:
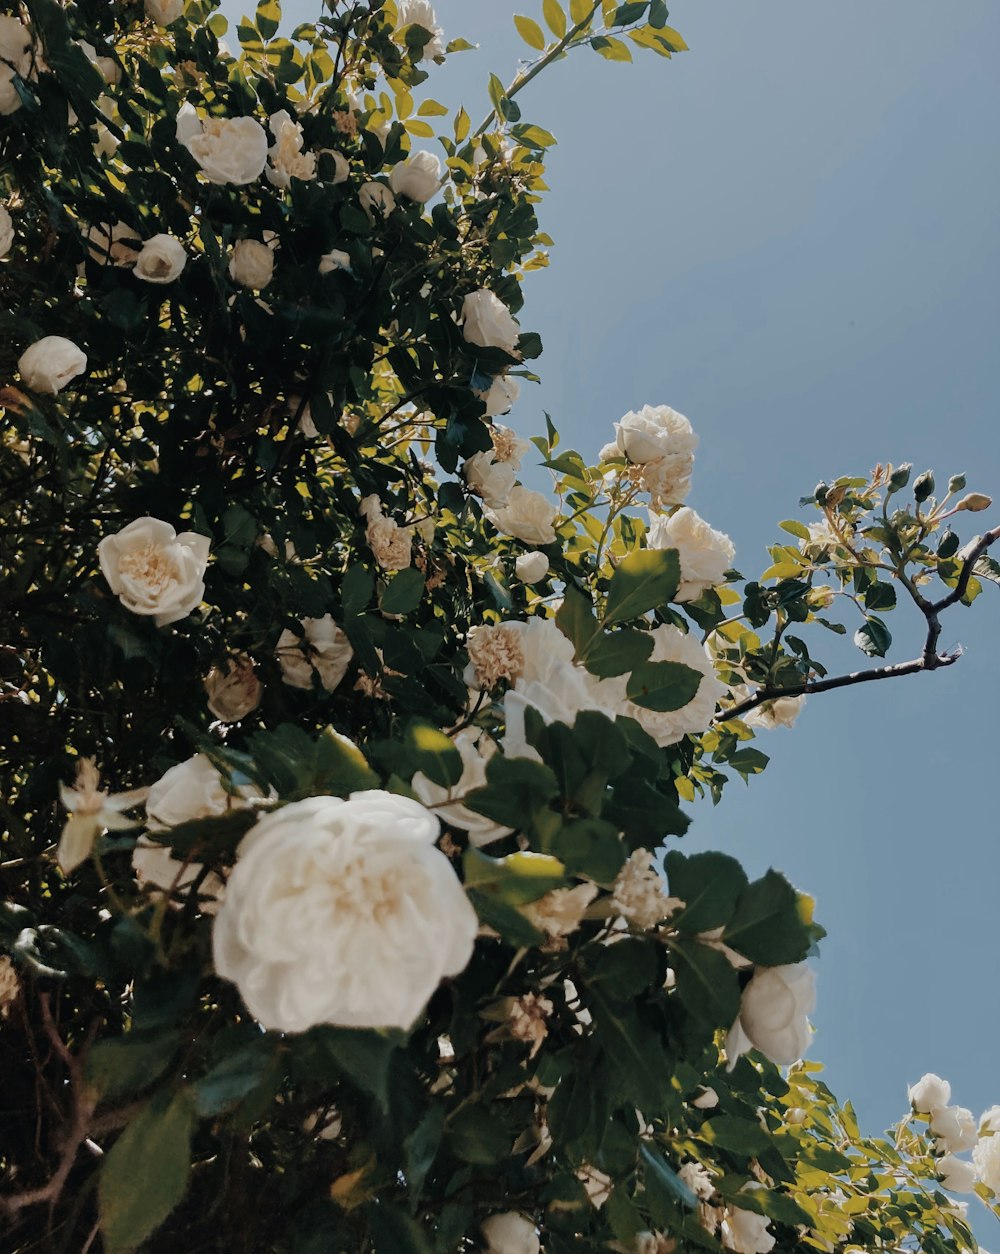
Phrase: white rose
(986,1157)
(322,650)
(670,644)
(341,166)
(510,1233)
(154,571)
(6,231)
(49,364)
(501,395)
(376,200)
(342,912)
(164,12)
(160,260)
(488,322)
(115,244)
(156,867)
(418,177)
(228,150)
(475,749)
(391,544)
(527,516)
(705,554)
(955,1174)
(745,1232)
(107,67)
(954,1127)
(707,1099)
(487,478)
(193,789)
(697,1179)
(531,567)
(661,441)
(15,58)
(929,1092)
(781,712)
(252,263)
(337,259)
(235,691)
(421,13)
(773,1014)
(989,1121)
(287,160)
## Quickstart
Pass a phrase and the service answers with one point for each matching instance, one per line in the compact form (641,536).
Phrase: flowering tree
(343,773)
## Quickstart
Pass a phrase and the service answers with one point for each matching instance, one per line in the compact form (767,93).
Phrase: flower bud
(956,483)
(974,502)
(923,486)
(948,544)
(900,477)
(819,492)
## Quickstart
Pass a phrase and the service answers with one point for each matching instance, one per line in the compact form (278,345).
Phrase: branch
(929,660)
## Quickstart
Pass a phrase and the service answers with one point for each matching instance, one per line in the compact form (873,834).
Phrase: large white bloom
(193,789)
(956,1175)
(531,567)
(929,1092)
(251,263)
(773,1014)
(391,544)
(50,363)
(705,554)
(491,480)
(287,160)
(418,177)
(163,12)
(488,322)
(781,712)
(954,1128)
(670,644)
(376,199)
(501,395)
(6,231)
(476,749)
(662,442)
(510,1233)
(229,150)
(342,912)
(161,259)
(322,650)
(527,516)
(986,1155)
(154,571)
(15,58)
(421,13)
(745,1232)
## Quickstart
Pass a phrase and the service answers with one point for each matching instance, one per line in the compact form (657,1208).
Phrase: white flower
(670,644)
(558,691)
(527,516)
(496,653)
(745,1232)
(107,67)
(773,1014)
(376,200)
(531,567)
(488,322)
(954,1127)
(418,177)
(955,1174)
(335,260)
(228,150)
(781,712)
(160,260)
(707,1099)
(91,812)
(235,691)
(116,244)
(986,1155)
(6,231)
(475,749)
(154,571)
(163,12)
(501,395)
(156,868)
(321,650)
(342,912)
(639,895)
(10,985)
(421,13)
(341,166)
(989,1121)
(15,58)
(510,1233)
(193,789)
(49,364)
(697,1179)
(661,441)
(490,479)
(391,544)
(252,263)
(929,1092)
(560,912)
(822,538)
(508,447)
(705,554)
(287,160)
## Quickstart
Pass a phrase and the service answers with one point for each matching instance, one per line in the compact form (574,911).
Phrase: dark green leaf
(128,1064)
(768,925)
(709,884)
(403,592)
(433,754)
(873,637)
(663,685)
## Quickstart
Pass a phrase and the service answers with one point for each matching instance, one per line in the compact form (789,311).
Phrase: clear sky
(790,234)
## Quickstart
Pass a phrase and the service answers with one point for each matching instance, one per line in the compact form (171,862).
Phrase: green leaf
(617,652)
(636,1056)
(127,1064)
(873,637)
(707,983)
(339,767)
(580,10)
(268,18)
(795,528)
(433,754)
(555,18)
(145,1173)
(403,592)
(627,968)
(475,1135)
(394,1232)
(663,685)
(575,619)
(516,790)
(629,12)
(362,1055)
(356,590)
(611,49)
(236,1075)
(530,32)
(709,883)
(768,925)
(592,848)
(516,879)
(880,596)
(739,1136)
(646,580)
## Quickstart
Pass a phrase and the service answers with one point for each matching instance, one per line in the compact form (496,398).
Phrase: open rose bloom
(154,571)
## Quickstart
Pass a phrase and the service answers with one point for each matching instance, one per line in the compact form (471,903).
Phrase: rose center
(149,566)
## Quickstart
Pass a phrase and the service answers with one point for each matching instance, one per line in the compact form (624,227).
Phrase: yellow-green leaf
(529,31)
(462,125)
(431,109)
(580,10)
(423,129)
(555,17)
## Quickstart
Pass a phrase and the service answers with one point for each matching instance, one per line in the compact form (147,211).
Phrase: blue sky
(790,234)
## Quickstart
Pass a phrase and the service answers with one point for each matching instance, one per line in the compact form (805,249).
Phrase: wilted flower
(496,653)
(321,650)
(234,690)
(377,200)
(527,1020)
(639,895)
(697,1179)
(154,571)
(50,363)
(343,912)
(91,812)
(10,986)
(560,912)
